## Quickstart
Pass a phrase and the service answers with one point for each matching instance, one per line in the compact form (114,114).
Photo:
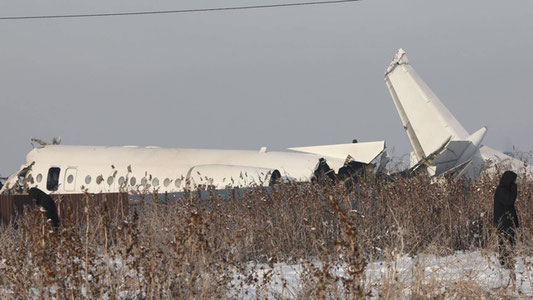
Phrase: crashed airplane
(439,141)
(440,145)
(65,169)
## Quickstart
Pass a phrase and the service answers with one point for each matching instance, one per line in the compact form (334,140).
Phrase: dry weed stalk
(195,248)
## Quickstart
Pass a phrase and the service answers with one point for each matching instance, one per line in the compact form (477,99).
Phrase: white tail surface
(435,135)
(426,120)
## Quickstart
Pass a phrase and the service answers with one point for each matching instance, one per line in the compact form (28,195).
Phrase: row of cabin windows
(52,181)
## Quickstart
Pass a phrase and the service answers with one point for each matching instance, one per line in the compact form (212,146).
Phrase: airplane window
(88,179)
(121,180)
(177,182)
(39,177)
(52,182)
(70,179)
(110,180)
(99,179)
(144,181)
(166,182)
(155,182)
(133,181)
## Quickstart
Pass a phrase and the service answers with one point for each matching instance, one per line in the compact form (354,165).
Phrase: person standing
(505,217)
(46,202)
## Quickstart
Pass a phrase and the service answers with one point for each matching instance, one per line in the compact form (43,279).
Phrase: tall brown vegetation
(195,248)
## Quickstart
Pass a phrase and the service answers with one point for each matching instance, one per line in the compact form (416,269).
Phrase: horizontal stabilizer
(469,169)
(361,152)
(452,152)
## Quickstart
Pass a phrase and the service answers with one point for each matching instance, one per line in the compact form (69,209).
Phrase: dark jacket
(47,203)
(323,172)
(505,216)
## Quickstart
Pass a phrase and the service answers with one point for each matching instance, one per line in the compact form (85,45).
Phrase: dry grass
(191,248)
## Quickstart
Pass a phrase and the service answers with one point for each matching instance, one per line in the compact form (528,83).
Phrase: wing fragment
(361,152)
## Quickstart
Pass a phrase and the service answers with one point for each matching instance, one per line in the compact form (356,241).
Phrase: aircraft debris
(441,147)
(439,141)
(323,173)
(65,169)
(38,143)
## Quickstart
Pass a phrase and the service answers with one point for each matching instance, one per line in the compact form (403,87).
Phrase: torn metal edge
(399,59)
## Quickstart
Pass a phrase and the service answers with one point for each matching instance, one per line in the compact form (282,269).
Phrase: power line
(159,12)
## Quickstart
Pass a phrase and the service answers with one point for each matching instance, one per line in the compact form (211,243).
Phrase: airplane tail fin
(427,121)
(439,141)
(437,138)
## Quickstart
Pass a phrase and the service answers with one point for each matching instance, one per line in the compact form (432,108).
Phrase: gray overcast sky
(244,79)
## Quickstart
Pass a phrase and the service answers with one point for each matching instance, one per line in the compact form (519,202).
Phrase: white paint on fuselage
(165,166)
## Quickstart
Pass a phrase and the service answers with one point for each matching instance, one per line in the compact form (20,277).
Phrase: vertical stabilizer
(426,120)
(438,140)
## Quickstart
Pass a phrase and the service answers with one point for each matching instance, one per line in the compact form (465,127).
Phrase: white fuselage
(98,169)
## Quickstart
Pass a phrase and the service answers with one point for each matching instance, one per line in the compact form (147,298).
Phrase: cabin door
(70,179)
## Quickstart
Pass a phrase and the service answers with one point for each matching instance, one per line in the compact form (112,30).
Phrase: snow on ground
(476,271)
(472,268)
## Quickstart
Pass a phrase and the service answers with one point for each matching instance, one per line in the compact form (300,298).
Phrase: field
(388,239)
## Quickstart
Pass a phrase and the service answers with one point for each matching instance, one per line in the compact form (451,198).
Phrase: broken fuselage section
(441,145)
(65,169)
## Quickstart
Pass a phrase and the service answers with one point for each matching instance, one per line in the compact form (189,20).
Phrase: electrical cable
(158,12)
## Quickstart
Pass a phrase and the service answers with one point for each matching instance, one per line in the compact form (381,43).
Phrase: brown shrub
(195,248)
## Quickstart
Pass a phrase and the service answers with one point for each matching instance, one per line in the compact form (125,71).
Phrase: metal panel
(361,152)
(70,179)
